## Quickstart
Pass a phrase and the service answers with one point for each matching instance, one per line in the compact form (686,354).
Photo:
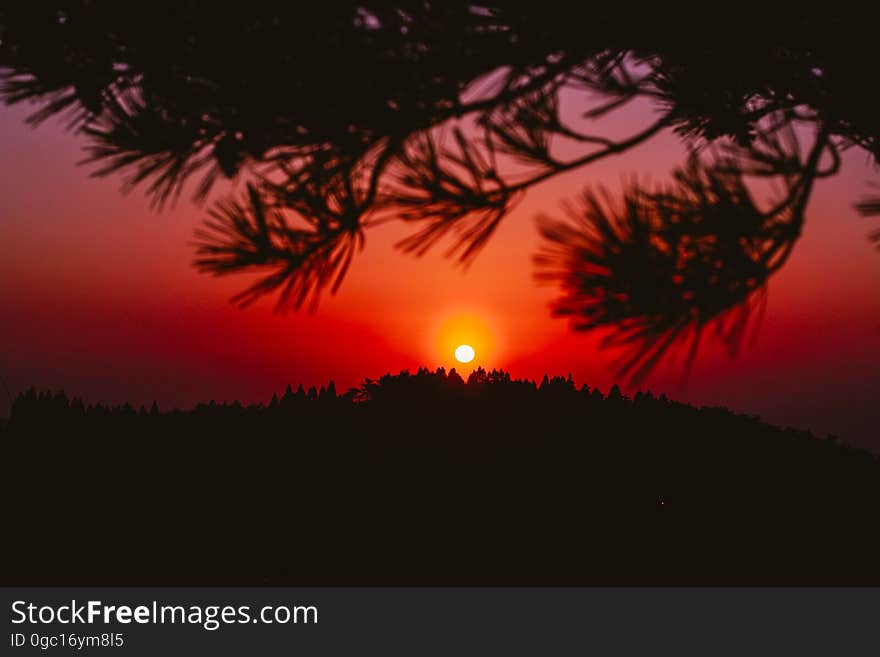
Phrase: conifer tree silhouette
(495,480)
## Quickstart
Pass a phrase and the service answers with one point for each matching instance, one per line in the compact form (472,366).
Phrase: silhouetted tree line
(344,115)
(424,478)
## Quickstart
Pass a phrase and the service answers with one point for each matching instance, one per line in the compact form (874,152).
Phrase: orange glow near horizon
(99,298)
(457,330)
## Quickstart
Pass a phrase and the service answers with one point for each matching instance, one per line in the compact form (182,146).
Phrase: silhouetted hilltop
(425,478)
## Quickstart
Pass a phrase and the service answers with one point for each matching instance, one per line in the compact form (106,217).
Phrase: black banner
(441,621)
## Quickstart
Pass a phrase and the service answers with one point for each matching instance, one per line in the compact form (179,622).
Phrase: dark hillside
(425,479)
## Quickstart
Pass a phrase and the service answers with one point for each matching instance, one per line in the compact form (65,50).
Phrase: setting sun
(457,340)
(464,353)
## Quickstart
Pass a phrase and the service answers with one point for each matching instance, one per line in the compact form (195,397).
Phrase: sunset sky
(99,297)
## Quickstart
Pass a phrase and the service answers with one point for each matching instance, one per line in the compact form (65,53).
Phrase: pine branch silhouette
(347,114)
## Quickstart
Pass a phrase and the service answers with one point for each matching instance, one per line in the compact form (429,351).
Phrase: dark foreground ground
(423,479)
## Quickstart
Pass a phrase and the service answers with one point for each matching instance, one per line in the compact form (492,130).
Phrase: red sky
(97,296)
